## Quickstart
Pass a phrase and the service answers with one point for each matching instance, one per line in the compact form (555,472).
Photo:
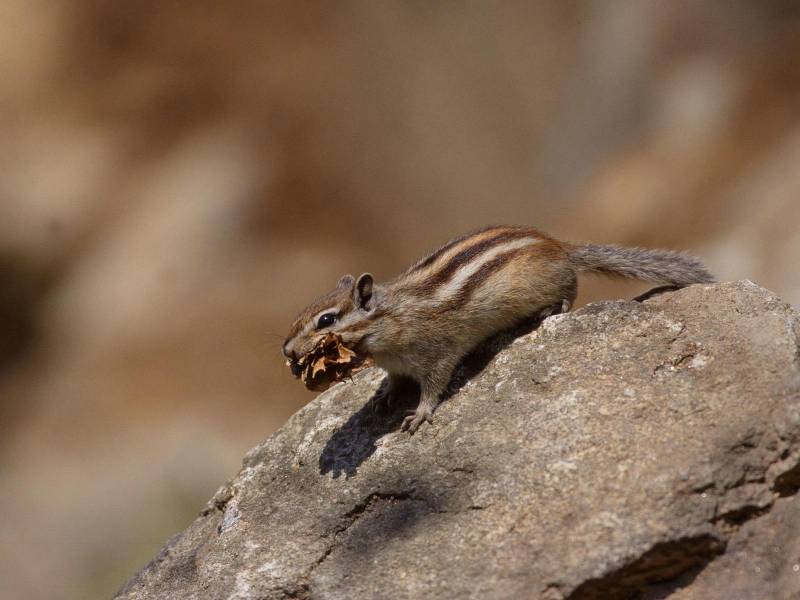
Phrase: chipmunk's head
(340,311)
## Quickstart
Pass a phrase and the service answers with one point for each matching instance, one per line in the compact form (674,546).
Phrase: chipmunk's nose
(288,352)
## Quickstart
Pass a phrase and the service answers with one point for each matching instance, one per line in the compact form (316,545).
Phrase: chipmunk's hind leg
(555,309)
(568,293)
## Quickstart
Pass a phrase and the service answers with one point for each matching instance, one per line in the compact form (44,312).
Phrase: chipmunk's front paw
(383,396)
(412,422)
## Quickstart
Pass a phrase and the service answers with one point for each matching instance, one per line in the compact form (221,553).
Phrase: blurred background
(178,179)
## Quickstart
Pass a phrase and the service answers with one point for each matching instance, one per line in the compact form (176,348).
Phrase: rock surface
(626,449)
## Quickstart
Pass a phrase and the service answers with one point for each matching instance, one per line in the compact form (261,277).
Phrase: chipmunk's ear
(346,281)
(363,290)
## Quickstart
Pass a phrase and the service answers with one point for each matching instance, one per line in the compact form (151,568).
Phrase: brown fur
(428,260)
(468,254)
(422,323)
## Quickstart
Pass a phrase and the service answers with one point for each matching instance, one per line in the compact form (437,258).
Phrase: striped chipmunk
(422,323)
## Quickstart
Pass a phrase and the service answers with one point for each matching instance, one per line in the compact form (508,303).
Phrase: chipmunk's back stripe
(452,288)
(481,275)
(467,256)
(433,256)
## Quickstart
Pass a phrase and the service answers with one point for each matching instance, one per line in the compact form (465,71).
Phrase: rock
(626,448)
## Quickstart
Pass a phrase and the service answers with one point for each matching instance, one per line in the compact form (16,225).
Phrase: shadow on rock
(356,440)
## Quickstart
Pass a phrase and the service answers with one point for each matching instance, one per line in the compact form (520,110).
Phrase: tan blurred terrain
(178,179)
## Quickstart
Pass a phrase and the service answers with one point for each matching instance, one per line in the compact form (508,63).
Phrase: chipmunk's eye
(326,320)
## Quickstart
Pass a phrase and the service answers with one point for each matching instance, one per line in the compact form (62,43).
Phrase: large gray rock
(626,449)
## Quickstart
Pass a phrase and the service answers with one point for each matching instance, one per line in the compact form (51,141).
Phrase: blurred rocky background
(178,179)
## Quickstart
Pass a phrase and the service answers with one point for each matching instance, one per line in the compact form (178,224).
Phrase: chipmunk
(423,323)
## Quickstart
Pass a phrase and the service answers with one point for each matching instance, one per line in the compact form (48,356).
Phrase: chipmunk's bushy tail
(657,266)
